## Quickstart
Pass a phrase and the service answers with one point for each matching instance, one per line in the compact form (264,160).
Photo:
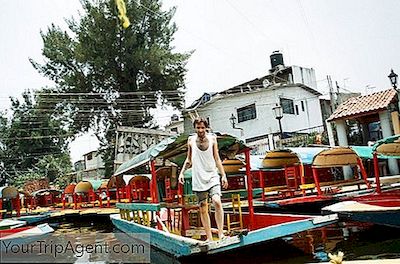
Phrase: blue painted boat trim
(182,246)
(388,218)
(31,219)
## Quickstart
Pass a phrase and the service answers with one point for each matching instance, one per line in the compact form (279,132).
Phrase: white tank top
(204,170)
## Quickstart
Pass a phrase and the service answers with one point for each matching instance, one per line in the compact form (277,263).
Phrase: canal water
(357,240)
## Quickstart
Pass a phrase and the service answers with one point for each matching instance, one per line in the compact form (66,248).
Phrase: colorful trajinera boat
(170,212)
(305,179)
(383,206)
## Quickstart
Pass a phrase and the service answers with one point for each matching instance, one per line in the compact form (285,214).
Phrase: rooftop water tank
(276,59)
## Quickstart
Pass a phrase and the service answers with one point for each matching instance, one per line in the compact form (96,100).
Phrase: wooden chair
(234,221)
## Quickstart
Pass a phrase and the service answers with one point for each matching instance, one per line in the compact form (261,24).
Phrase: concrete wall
(305,76)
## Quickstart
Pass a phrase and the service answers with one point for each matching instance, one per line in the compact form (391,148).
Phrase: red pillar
(153,189)
(316,180)
(376,169)
(129,191)
(249,189)
(63,201)
(18,205)
(302,177)
(75,201)
(100,199)
(117,194)
(262,184)
(180,193)
(363,172)
(108,198)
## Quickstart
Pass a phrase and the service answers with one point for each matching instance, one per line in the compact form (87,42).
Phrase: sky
(353,41)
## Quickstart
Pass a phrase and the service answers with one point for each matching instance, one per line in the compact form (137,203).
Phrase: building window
(297,110)
(302,106)
(208,121)
(246,113)
(89,156)
(287,106)
(174,129)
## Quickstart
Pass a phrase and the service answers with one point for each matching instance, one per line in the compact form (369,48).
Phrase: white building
(94,166)
(175,125)
(251,103)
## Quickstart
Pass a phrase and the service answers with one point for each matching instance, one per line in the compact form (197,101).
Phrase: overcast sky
(354,41)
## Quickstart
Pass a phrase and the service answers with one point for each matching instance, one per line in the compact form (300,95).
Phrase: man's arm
(186,165)
(219,164)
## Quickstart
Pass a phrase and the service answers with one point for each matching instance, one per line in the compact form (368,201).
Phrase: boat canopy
(116,182)
(364,152)
(335,157)
(307,154)
(83,187)
(45,191)
(388,147)
(96,184)
(8,192)
(142,177)
(280,158)
(174,148)
(70,189)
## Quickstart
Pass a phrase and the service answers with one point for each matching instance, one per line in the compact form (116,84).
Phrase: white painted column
(330,133)
(384,118)
(271,141)
(342,139)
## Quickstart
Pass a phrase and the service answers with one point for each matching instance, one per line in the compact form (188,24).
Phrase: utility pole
(331,93)
(338,101)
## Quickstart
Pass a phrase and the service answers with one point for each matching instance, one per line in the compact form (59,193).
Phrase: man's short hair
(199,120)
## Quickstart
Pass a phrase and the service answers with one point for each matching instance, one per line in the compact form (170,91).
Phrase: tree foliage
(30,138)
(108,76)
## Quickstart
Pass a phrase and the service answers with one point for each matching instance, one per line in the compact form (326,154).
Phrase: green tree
(108,76)
(30,134)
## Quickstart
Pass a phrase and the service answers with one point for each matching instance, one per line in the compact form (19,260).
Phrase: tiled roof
(363,104)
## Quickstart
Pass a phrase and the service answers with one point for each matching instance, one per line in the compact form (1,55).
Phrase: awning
(175,149)
(307,155)
(8,192)
(364,152)
(83,187)
(388,147)
(335,157)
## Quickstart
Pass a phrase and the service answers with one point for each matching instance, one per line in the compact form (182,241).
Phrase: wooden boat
(383,206)
(32,219)
(23,235)
(11,223)
(173,221)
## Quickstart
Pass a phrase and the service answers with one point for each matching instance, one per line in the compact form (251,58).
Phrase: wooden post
(249,189)
(363,173)
(316,180)
(376,170)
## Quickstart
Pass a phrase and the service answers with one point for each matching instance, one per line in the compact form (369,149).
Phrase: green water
(357,241)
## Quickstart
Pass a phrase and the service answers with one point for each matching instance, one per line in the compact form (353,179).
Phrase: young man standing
(204,159)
